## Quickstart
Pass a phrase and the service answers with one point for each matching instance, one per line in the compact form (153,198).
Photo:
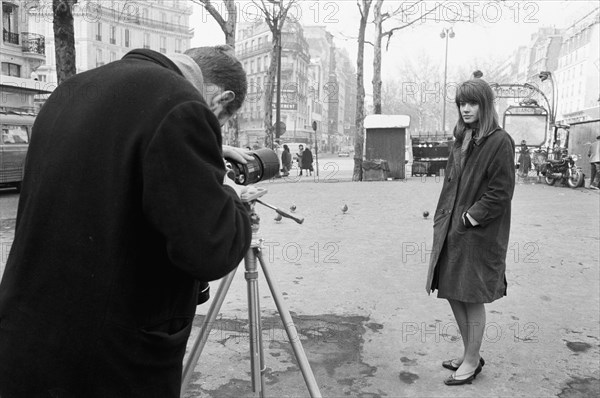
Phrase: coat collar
(479,140)
(153,56)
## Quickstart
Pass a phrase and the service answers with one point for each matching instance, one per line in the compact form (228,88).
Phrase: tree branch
(212,11)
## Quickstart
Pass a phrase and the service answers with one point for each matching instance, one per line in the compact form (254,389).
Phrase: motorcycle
(565,170)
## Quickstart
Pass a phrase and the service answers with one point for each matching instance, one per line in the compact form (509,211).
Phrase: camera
(264,166)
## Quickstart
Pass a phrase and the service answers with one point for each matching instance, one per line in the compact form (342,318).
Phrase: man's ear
(225,97)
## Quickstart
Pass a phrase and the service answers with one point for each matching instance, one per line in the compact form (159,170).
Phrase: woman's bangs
(467,93)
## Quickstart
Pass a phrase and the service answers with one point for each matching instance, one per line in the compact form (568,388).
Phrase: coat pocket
(170,333)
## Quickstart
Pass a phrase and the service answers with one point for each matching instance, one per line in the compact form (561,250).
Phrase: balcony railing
(10,37)
(33,43)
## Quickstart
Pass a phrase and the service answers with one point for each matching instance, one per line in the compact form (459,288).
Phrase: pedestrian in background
(594,155)
(299,157)
(286,160)
(524,159)
(472,223)
(307,161)
(125,208)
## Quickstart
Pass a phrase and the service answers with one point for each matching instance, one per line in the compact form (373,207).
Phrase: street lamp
(446,33)
(547,75)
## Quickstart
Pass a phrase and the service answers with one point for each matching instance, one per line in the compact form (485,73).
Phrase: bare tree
(364,7)
(275,13)
(378,19)
(228,23)
(64,39)
(416,94)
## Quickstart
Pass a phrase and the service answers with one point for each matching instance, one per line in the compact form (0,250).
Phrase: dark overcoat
(307,159)
(122,211)
(471,260)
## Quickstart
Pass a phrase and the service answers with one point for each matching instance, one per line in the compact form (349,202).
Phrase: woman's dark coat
(307,159)
(122,211)
(473,261)
(286,159)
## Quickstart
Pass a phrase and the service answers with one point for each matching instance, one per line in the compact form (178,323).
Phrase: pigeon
(345,209)
(278,217)
(293,208)
(425,214)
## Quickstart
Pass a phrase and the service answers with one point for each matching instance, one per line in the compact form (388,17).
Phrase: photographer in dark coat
(125,206)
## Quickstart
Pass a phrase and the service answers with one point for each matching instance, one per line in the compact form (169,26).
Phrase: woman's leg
(460,315)
(474,337)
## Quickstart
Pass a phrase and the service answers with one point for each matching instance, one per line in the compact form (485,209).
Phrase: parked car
(345,151)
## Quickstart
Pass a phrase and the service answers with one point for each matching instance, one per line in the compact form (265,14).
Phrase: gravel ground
(355,283)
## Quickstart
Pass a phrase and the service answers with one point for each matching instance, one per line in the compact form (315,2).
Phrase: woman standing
(472,223)
(524,159)
(286,160)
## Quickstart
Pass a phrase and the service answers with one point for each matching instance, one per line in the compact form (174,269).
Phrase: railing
(33,43)
(132,16)
(10,37)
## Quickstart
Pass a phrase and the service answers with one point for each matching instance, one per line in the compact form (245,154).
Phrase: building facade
(105,31)
(254,46)
(22,53)
(577,76)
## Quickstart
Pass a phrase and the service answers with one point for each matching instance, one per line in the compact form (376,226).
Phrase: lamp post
(547,75)
(446,33)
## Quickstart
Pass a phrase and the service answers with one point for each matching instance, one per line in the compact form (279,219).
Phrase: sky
(484,30)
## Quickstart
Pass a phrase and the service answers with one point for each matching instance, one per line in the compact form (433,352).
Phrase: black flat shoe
(453,381)
(450,364)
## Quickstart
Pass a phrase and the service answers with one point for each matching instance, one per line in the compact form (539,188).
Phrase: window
(113,56)
(177,45)
(127,38)
(99,31)
(99,60)
(113,34)
(10,69)
(10,25)
(251,66)
(163,19)
(258,64)
(146,40)
(163,44)
(12,134)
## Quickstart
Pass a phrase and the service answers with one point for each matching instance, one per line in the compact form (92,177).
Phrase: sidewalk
(355,284)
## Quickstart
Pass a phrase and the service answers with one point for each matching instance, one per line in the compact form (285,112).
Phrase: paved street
(355,282)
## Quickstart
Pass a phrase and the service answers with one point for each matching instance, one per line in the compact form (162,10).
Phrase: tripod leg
(256,354)
(290,328)
(198,346)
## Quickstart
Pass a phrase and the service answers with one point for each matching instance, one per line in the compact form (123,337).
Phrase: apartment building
(578,69)
(253,48)
(22,53)
(106,30)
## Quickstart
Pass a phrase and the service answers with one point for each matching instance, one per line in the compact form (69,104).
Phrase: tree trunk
(64,39)
(360,92)
(378,19)
(269,91)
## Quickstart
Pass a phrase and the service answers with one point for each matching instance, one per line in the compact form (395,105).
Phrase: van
(14,142)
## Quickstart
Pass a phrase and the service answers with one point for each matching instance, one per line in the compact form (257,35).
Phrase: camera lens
(263,166)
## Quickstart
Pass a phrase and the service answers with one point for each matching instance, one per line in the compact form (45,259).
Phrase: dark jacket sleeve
(205,225)
(501,177)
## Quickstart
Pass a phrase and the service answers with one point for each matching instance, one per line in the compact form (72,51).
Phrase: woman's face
(469,112)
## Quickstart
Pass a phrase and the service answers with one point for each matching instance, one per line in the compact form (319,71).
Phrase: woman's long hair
(476,91)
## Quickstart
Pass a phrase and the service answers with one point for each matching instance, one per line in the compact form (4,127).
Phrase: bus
(14,142)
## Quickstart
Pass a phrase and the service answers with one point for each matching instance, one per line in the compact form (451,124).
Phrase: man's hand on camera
(240,155)
(239,189)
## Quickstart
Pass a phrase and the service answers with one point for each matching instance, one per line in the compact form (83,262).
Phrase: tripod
(256,345)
